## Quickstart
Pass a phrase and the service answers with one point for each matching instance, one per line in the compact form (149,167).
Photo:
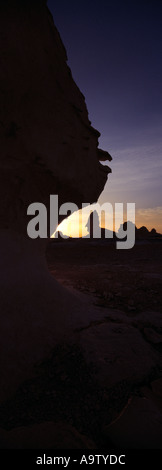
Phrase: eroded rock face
(47,143)
(47,146)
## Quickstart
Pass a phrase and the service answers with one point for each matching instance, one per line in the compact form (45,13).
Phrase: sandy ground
(65,398)
(130,280)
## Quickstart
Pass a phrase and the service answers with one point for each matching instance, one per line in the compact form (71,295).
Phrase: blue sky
(114,52)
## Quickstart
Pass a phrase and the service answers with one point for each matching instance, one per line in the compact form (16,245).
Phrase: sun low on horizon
(150,218)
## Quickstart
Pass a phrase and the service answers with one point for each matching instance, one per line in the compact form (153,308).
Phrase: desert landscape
(105,389)
(80,320)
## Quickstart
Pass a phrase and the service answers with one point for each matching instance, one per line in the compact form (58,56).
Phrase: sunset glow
(122,86)
(150,218)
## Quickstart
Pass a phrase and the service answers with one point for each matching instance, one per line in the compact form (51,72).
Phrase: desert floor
(67,404)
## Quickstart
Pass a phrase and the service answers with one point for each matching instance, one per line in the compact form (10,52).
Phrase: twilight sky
(114,52)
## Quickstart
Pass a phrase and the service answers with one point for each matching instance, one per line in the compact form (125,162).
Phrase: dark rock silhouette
(141,233)
(48,146)
(95,230)
(93,221)
(153,232)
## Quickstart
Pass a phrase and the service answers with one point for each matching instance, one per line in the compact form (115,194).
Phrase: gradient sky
(114,51)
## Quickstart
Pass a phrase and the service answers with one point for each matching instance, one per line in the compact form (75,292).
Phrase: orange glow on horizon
(150,218)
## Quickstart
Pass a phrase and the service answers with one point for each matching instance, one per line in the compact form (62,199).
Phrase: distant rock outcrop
(95,230)
(142,233)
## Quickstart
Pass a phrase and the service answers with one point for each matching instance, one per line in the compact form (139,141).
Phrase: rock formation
(78,360)
(95,231)
(48,146)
